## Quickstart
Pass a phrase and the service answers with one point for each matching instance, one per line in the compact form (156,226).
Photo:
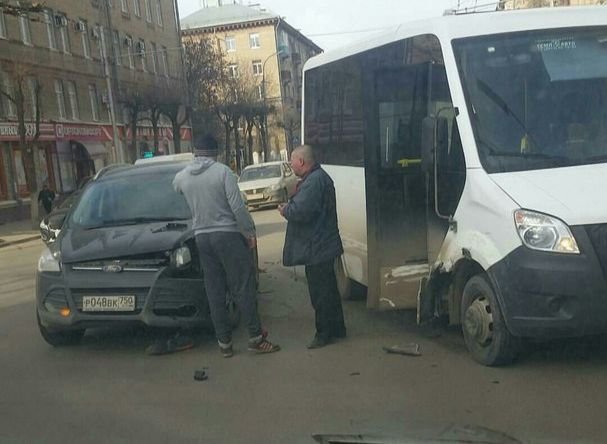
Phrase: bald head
(302,160)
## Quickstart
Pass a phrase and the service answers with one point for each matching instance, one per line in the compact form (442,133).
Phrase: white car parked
(267,184)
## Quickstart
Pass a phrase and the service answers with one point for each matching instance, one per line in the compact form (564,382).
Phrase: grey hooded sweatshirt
(212,193)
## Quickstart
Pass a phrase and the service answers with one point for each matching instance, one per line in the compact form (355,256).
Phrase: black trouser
(326,301)
(227,264)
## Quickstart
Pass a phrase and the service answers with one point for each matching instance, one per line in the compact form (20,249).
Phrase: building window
(124,5)
(141,54)
(50,30)
(97,32)
(84,31)
(159,13)
(257,68)
(233,70)
(254,40)
(24,26)
(73,97)
(60,99)
(116,45)
(3,33)
(148,11)
(165,61)
(137,8)
(128,42)
(154,57)
(230,43)
(94,102)
(63,33)
(8,107)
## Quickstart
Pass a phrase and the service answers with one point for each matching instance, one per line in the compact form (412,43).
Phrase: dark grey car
(126,254)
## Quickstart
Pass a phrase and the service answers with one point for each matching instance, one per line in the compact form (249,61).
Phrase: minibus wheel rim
(478,321)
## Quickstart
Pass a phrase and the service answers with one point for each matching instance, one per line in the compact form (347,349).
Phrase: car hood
(80,245)
(574,194)
(255,184)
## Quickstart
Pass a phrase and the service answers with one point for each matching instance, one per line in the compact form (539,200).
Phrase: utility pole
(118,146)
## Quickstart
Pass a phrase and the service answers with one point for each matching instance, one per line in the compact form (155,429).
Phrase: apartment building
(70,49)
(263,43)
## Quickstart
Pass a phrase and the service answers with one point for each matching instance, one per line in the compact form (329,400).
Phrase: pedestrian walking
(313,240)
(225,235)
(46,197)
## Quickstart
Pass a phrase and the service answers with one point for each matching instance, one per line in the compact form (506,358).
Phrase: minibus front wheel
(485,333)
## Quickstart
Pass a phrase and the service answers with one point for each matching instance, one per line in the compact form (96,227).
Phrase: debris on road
(201,375)
(408,349)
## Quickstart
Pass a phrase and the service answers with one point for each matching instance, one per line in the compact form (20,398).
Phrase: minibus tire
(344,283)
(485,333)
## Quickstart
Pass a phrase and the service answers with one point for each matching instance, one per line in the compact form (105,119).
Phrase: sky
(334,23)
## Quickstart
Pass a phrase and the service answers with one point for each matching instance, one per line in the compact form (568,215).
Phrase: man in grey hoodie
(225,234)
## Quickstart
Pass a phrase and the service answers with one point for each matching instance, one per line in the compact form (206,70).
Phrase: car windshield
(130,199)
(260,172)
(537,99)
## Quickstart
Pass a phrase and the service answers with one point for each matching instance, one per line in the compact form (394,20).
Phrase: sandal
(263,346)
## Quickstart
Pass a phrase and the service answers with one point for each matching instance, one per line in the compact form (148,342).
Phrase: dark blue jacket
(312,234)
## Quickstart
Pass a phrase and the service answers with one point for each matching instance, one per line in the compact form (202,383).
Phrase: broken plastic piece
(407,349)
(201,375)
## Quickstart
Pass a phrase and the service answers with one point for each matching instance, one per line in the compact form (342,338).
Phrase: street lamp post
(281,50)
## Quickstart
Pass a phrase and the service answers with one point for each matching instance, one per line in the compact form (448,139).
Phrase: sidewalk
(12,233)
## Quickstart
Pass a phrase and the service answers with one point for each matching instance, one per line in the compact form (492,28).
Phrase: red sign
(83,132)
(9,131)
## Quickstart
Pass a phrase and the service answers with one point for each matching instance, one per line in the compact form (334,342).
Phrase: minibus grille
(598,237)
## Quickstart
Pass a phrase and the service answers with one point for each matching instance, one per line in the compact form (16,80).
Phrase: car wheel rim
(478,321)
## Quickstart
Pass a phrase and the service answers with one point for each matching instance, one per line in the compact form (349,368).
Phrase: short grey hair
(306,152)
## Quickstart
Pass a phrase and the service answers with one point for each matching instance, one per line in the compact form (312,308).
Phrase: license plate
(108,303)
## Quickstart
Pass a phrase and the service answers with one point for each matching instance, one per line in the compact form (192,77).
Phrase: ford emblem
(112,268)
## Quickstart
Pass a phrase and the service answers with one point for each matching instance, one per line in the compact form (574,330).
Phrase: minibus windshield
(537,99)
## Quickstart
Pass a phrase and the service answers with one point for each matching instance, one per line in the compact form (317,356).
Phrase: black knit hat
(205,146)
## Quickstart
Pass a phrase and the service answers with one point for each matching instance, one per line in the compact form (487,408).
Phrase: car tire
(485,332)
(59,338)
(344,283)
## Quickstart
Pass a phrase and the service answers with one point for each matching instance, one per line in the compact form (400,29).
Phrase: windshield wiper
(134,221)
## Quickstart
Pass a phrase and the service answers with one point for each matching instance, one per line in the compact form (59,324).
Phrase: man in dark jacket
(313,240)
(46,196)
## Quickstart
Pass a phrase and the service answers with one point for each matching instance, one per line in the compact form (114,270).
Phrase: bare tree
(26,91)
(135,104)
(291,123)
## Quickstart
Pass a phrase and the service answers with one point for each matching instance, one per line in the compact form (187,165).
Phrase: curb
(4,243)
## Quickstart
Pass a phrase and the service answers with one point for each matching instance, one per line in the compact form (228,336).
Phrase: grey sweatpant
(227,265)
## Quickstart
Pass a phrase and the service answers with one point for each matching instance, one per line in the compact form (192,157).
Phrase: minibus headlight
(544,233)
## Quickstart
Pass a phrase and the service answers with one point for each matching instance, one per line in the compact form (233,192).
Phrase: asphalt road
(108,390)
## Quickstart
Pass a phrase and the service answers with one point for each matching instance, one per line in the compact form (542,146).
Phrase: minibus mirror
(428,142)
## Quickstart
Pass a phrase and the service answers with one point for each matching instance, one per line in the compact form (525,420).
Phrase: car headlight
(273,188)
(181,257)
(49,262)
(544,233)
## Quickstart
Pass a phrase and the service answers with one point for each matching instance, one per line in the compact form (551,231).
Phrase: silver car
(267,184)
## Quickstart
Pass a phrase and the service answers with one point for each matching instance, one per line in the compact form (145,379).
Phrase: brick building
(273,52)
(62,49)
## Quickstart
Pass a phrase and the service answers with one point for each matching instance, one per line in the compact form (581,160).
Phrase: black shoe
(318,342)
(339,334)
(179,342)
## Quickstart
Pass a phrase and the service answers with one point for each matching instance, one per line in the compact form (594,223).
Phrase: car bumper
(161,300)
(270,199)
(548,295)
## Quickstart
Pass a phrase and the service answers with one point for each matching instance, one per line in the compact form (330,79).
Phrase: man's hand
(252,241)
(281,209)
